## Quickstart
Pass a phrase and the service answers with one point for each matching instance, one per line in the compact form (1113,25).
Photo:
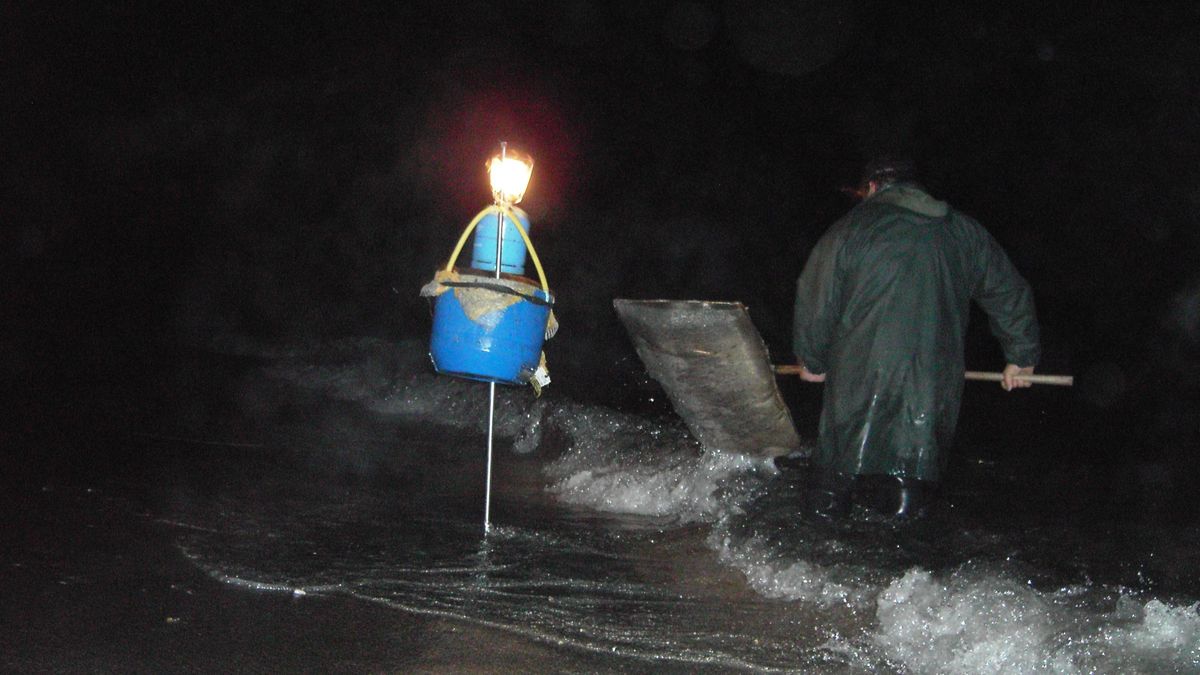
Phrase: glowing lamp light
(509,172)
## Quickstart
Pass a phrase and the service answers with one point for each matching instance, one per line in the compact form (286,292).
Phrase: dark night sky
(297,171)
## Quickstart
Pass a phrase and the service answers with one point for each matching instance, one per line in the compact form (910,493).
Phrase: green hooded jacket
(882,308)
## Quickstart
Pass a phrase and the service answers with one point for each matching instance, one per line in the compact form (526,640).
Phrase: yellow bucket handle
(508,213)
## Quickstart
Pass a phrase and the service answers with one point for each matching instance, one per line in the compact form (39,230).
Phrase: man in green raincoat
(881,314)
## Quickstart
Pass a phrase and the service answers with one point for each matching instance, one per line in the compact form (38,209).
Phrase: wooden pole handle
(1058,380)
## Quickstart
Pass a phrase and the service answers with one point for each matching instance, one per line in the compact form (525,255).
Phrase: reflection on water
(616,535)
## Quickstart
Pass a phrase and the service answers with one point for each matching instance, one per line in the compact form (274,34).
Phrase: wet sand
(91,578)
(92,584)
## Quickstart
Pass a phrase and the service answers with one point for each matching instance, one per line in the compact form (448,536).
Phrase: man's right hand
(809,376)
(1010,381)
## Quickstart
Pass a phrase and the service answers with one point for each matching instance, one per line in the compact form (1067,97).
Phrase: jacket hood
(912,198)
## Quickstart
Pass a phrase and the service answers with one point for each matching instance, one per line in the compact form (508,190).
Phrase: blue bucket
(503,345)
(512,258)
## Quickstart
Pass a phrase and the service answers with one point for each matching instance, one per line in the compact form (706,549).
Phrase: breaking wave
(873,597)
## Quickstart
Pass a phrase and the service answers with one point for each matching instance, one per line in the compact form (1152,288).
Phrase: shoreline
(93,586)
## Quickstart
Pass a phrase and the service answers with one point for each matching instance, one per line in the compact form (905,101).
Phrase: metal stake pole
(487,498)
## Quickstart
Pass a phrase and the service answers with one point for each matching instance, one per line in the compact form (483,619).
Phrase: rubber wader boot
(829,494)
(901,498)
(795,461)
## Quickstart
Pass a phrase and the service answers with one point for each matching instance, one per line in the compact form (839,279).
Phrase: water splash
(655,549)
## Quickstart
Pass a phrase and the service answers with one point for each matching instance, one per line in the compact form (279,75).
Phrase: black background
(173,173)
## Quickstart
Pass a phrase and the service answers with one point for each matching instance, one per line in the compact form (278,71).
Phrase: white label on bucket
(541,376)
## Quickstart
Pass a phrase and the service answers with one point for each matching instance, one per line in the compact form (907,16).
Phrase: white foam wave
(683,485)
(969,620)
(618,463)
(992,623)
(1149,637)
(988,626)
(783,579)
